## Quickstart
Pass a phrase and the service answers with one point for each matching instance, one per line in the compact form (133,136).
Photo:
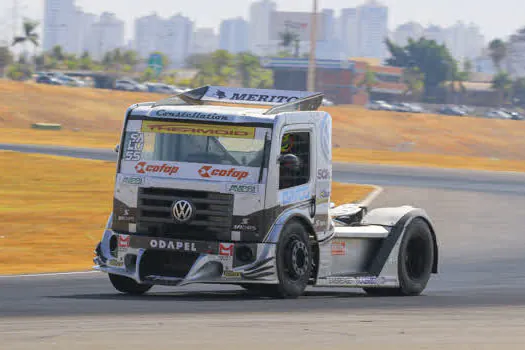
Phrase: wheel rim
(296,259)
(416,258)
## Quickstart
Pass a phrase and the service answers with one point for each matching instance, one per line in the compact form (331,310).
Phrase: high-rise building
(329,47)
(464,42)
(108,34)
(515,60)
(147,32)
(59,25)
(409,30)
(259,32)
(204,41)
(84,35)
(234,35)
(349,32)
(173,37)
(435,33)
(373,29)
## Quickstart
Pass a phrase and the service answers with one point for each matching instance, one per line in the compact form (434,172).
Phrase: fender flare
(397,219)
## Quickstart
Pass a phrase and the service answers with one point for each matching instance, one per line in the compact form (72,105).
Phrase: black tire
(415,261)
(294,263)
(128,286)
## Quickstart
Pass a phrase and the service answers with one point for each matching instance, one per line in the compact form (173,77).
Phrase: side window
(298,145)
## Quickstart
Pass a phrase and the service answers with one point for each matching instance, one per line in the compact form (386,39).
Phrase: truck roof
(195,105)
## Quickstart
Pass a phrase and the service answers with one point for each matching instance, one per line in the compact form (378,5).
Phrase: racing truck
(224,185)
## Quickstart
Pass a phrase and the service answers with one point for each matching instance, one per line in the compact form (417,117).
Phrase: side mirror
(117,148)
(289,161)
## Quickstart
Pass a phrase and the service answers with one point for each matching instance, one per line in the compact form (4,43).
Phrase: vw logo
(182,211)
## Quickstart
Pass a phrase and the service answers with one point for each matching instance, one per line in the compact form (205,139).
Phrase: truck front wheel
(294,263)
(127,285)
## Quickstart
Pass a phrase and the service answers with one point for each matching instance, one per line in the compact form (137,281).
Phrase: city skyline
(400,11)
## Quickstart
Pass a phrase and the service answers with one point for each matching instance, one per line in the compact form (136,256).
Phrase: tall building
(234,35)
(329,47)
(259,31)
(176,39)
(172,36)
(108,34)
(59,25)
(515,61)
(349,32)
(84,35)
(409,30)
(204,41)
(436,33)
(373,29)
(464,42)
(147,31)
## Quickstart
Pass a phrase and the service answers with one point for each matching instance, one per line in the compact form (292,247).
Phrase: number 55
(132,155)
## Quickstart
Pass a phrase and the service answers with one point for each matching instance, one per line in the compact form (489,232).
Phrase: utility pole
(15,19)
(313,45)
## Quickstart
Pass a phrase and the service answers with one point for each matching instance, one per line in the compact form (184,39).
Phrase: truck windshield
(194,143)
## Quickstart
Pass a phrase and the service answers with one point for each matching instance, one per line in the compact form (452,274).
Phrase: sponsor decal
(172,245)
(191,115)
(231,274)
(133,150)
(251,189)
(133,180)
(262,98)
(126,216)
(208,171)
(230,131)
(144,168)
(226,249)
(356,281)
(245,226)
(220,94)
(323,174)
(323,197)
(123,241)
(320,225)
(295,194)
(338,248)
(115,263)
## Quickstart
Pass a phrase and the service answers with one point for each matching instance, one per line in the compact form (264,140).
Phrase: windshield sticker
(133,150)
(191,115)
(199,129)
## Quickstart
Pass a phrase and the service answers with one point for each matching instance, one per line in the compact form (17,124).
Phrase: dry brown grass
(53,211)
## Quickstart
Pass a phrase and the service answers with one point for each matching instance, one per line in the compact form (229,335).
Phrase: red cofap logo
(208,171)
(144,167)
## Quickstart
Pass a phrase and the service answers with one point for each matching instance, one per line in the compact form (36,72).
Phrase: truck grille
(212,221)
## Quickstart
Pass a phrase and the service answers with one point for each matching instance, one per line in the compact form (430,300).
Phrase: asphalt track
(476,302)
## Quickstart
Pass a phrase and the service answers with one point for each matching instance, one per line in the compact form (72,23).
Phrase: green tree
(86,62)
(18,71)
(5,59)
(289,39)
(368,82)
(518,91)
(415,82)
(434,61)
(497,52)
(57,53)
(131,58)
(503,84)
(29,37)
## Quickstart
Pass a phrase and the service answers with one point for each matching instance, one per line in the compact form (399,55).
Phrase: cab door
(297,184)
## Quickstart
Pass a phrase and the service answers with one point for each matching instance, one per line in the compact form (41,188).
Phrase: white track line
(372,196)
(50,274)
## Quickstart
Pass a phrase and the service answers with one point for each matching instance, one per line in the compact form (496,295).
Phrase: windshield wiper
(265,151)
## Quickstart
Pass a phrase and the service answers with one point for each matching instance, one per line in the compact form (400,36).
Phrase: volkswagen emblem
(182,211)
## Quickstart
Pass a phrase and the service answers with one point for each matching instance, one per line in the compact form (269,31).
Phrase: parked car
(514,115)
(497,114)
(380,106)
(46,79)
(129,85)
(327,102)
(452,110)
(161,88)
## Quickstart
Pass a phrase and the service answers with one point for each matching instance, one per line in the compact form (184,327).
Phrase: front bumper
(164,261)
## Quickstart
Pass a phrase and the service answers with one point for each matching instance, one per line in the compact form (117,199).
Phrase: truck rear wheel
(415,260)
(128,286)
(294,263)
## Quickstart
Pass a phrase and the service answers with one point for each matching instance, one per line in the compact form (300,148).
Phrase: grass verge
(53,211)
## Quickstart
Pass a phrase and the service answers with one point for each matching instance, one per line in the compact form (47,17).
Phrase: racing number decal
(134,146)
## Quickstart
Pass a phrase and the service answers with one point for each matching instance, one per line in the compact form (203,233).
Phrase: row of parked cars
(132,85)
(397,107)
(57,78)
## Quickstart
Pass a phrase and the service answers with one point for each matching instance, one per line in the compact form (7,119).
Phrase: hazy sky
(497,18)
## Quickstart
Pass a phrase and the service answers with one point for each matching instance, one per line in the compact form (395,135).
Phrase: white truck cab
(237,195)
